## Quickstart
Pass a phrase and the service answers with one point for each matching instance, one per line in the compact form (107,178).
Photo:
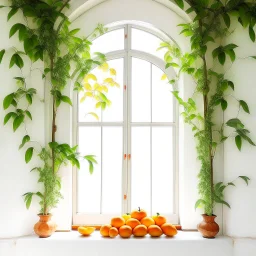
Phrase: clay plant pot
(208,227)
(45,227)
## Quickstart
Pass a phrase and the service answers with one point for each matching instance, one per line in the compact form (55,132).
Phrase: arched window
(135,140)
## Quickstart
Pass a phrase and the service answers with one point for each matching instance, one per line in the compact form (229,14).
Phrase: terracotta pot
(45,227)
(208,227)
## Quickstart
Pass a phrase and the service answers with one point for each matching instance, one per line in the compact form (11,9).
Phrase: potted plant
(210,25)
(46,36)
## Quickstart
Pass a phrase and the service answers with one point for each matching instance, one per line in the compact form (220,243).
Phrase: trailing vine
(46,36)
(209,28)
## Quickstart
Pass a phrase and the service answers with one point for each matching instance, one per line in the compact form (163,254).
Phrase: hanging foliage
(211,24)
(46,36)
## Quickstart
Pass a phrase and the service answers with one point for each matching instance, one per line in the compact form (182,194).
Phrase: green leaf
(216,52)
(231,184)
(2,55)
(66,99)
(235,123)
(74,31)
(15,28)
(91,167)
(230,47)
(13,11)
(172,64)
(16,59)
(22,33)
(24,141)
(17,122)
(245,178)
(28,199)
(231,53)
(29,154)
(8,117)
(222,58)
(231,85)
(244,105)
(29,99)
(91,158)
(224,104)
(252,33)
(180,3)
(28,114)
(238,140)
(218,200)
(242,133)
(8,100)
(226,19)
(198,203)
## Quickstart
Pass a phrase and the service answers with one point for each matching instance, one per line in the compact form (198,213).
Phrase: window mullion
(129,117)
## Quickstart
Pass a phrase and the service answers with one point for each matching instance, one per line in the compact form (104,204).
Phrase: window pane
(114,113)
(162,170)
(89,186)
(140,168)
(109,42)
(112,163)
(146,42)
(141,83)
(162,99)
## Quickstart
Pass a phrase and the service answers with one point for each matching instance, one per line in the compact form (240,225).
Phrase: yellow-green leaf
(164,77)
(88,87)
(104,67)
(90,77)
(82,99)
(112,72)
(95,115)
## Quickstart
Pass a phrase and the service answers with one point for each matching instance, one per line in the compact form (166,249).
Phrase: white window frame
(127,54)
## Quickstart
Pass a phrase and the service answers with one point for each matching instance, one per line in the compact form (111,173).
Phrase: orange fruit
(104,230)
(125,231)
(117,222)
(126,216)
(140,231)
(86,231)
(147,221)
(138,214)
(155,231)
(113,232)
(132,222)
(159,219)
(169,229)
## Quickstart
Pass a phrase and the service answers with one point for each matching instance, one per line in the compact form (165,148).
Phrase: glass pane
(89,186)
(140,168)
(112,170)
(146,42)
(162,99)
(141,83)
(114,113)
(109,42)
(162,170)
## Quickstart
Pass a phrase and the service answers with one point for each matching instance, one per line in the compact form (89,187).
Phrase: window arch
(136,139)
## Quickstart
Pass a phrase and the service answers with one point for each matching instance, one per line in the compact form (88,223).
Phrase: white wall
(240,220)
(15,176)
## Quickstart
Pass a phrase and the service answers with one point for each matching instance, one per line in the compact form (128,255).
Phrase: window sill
(71,243)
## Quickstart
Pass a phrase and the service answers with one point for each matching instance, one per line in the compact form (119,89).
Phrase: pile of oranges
(138,224)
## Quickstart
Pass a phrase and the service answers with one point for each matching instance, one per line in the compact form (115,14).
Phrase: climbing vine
(46,36)
(208,30)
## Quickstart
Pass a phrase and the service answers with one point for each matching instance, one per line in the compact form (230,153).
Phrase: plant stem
(208,128)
